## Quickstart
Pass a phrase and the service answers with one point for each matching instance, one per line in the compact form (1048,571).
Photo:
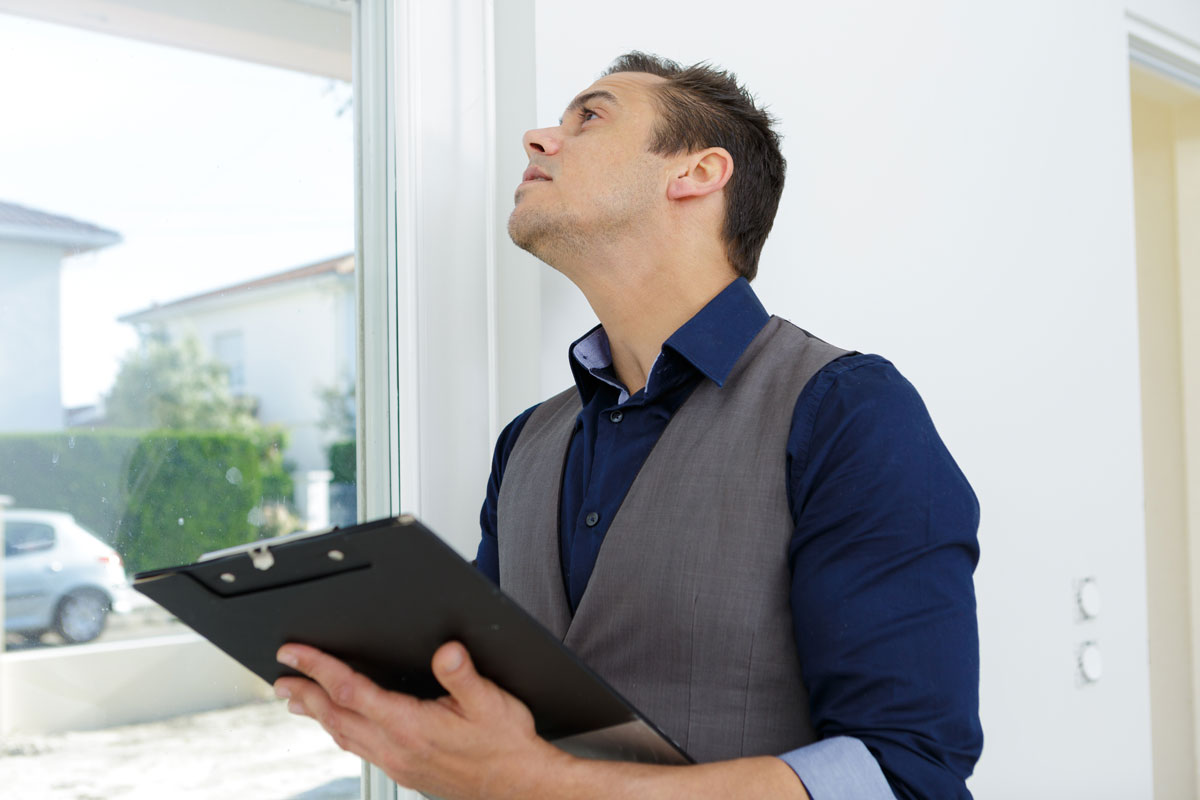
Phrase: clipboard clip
(261,557)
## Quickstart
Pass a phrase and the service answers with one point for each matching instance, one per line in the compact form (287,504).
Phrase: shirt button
(591,519)
(616,416)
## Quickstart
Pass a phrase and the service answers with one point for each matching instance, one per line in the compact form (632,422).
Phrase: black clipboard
(383,596)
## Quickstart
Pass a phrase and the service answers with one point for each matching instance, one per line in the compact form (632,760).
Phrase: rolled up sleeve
(840,768)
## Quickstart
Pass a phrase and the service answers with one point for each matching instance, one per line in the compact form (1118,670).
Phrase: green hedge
(160,498)
(277,483)
(343,461)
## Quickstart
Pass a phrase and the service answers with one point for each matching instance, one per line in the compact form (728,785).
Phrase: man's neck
(645,307)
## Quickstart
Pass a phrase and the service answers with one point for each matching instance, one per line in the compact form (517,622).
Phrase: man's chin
(553,238)
(526,233)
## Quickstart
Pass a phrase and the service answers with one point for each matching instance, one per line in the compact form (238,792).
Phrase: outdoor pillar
(5,501)
(312,498)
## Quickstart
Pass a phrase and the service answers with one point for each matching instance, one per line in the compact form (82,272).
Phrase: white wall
(120,683)
(30,373)
(960,200)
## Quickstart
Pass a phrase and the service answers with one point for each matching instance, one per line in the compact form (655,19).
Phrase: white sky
(213,170)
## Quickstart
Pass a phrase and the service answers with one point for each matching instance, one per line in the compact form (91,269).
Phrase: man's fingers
(344,686)
(308,699)
(416,742)
(473,695)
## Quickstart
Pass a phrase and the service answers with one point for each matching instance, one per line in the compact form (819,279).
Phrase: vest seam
(810,421)
(746,690)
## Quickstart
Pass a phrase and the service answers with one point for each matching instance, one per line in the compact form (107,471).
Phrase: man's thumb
(456,673)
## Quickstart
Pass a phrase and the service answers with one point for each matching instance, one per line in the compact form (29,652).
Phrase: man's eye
(586,113)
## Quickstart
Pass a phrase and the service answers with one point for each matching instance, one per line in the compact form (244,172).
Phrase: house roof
(23,224)
(340,265)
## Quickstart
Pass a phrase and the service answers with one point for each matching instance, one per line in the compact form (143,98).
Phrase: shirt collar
(711,341)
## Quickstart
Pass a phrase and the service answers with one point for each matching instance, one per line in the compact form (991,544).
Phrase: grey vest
(687,610)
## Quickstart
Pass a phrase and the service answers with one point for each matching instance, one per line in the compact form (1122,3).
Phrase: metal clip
(261,557)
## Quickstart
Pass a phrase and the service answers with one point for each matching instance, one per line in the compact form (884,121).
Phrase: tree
(338,413)
(168,385)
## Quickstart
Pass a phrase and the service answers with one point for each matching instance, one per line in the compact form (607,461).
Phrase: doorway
(1166,160)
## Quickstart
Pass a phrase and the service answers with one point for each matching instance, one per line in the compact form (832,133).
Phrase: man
(756,537)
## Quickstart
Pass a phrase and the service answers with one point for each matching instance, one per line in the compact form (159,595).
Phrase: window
(21,538)
(177,262)
(227,347)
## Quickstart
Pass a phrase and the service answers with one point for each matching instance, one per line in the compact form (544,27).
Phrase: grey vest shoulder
(687,611)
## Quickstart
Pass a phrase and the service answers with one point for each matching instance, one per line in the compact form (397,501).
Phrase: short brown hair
(701,106)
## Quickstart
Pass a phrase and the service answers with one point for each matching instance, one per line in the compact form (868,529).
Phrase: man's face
(591,179)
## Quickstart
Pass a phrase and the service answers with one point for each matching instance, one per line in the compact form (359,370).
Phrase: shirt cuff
(841,768)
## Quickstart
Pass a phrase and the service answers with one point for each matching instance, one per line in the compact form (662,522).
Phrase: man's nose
(544,141)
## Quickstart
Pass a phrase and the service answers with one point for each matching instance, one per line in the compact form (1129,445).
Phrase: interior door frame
(1154,48)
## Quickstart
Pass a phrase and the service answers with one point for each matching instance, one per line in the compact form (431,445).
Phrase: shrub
(160,498)
(278,485)
(79,473)
(188,493)
(343,462)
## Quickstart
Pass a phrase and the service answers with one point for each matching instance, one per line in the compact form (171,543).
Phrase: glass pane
(177,347)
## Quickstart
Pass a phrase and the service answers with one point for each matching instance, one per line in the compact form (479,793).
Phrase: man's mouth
(534,173)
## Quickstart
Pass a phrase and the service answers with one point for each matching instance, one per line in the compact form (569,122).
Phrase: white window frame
(449,310)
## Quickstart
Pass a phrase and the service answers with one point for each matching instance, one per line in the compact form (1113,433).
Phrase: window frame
(234,366)
(448,309)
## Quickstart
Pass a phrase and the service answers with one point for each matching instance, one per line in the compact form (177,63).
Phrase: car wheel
(81,616)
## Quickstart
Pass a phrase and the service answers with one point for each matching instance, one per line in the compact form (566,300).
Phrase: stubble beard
(561,238)
(551,237)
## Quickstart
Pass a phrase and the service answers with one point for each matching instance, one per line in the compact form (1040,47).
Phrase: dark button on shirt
(881,555)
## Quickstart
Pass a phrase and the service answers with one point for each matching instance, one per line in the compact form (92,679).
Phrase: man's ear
(704,172)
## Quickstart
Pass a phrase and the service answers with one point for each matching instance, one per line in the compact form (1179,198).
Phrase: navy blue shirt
(882,552)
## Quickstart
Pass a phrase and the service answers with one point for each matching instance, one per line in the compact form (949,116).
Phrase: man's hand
(480,742)
(477,742)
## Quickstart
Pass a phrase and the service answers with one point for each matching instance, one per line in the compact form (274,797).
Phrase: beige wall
(1187,165)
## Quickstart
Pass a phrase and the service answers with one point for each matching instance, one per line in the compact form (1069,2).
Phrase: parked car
(58,576)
